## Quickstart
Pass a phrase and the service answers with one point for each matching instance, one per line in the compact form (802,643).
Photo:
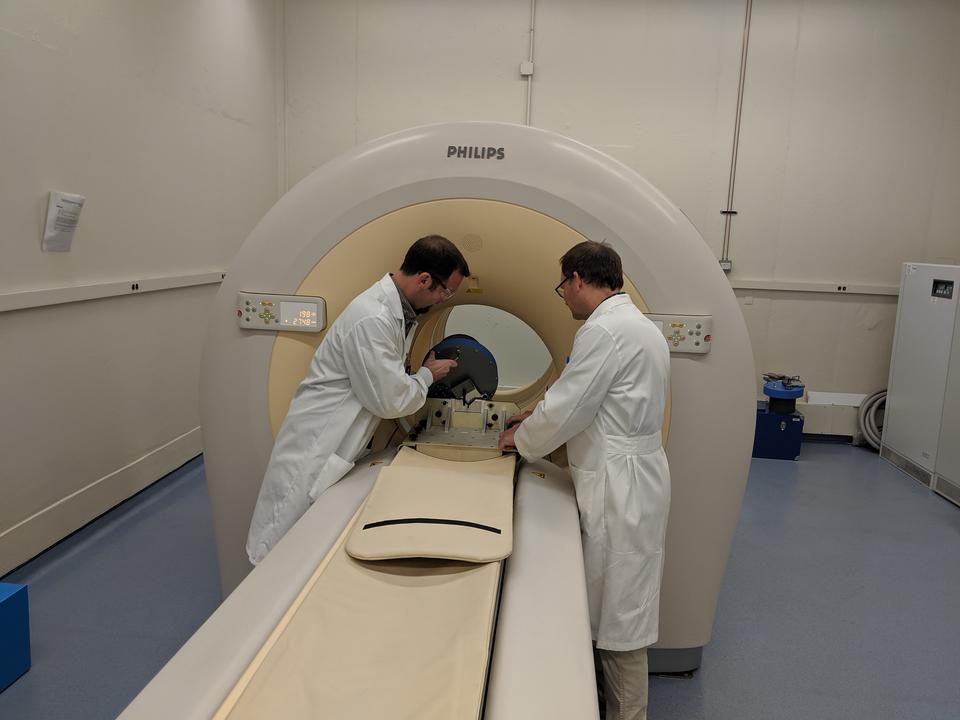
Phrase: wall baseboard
(829,419)
(38,532)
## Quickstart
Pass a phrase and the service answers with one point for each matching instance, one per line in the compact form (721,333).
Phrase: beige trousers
(625,684)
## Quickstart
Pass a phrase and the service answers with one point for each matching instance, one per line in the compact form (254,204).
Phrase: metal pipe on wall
(729,212)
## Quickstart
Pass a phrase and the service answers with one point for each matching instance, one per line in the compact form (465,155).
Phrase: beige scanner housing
(512,213)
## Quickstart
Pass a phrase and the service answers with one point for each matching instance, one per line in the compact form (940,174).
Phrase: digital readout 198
(305,317)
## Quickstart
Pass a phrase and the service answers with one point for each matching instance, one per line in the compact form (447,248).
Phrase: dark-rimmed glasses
(447,292)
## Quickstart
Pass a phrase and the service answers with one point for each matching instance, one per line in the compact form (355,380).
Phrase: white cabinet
(922,421)
(947,470)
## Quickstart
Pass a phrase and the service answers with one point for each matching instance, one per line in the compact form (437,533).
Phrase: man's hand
(506,438)
(439,368)
(517,419)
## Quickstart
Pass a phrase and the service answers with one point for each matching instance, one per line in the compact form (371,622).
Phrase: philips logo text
(474,152)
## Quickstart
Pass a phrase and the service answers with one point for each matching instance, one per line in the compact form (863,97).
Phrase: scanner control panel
(284,313)
(685,333)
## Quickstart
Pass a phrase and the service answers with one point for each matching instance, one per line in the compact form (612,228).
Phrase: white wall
(358,70)
(163,114)
(849,151)
(851,140)
(850,166)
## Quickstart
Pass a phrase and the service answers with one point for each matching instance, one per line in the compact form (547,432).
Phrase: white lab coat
(608,407)
(356,377)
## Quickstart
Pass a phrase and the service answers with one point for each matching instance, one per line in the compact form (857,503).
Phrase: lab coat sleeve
(571,404)
(377,375)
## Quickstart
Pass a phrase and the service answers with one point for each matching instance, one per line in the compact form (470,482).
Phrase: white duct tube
(867,418)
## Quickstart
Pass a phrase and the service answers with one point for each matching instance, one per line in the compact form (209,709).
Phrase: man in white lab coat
(608,407)
(356,377)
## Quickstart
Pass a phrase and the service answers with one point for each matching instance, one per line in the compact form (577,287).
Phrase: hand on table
(517,419)
(506,438)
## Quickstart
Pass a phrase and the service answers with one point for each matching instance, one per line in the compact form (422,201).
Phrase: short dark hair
(436,255)
(595,263)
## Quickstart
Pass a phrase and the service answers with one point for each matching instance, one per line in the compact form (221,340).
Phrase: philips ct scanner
(335,623)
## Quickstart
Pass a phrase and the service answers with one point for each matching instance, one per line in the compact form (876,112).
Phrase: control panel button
(677,329)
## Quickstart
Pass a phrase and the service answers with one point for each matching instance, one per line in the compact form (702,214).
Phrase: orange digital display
(297,314)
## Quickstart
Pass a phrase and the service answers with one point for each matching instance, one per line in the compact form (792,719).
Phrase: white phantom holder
(455,424)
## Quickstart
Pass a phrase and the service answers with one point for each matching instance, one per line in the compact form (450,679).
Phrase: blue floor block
(14,633)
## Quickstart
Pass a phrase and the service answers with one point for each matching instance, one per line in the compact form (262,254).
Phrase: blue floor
(113,602)
(841,600)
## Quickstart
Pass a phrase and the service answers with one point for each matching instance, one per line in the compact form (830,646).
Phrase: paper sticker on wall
(63,215)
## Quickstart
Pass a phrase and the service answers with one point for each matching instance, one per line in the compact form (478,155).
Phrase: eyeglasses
(447,292)
(559,288)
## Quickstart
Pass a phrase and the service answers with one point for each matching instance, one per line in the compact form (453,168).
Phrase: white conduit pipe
(729,212)
(528,110)
(867,417)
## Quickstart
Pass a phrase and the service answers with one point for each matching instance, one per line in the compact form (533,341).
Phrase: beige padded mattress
(399,638)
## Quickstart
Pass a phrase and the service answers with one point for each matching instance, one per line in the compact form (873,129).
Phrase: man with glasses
(608,407)
(356,378)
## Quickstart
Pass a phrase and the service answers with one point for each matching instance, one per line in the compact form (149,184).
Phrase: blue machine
(476,369)
(14,633)
(779,425)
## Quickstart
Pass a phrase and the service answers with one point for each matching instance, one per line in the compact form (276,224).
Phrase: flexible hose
(867,418)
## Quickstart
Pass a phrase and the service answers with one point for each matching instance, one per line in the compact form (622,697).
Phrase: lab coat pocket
(635,510)
(589,486)
(333,469)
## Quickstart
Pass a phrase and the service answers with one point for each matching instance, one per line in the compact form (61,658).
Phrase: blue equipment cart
(779,425)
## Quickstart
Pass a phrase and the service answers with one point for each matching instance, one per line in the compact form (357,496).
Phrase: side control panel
(284,313)
(685,333)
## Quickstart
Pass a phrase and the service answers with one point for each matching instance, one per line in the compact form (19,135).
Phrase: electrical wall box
(284,313)
(685,333)
(922,418)
(14,633)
